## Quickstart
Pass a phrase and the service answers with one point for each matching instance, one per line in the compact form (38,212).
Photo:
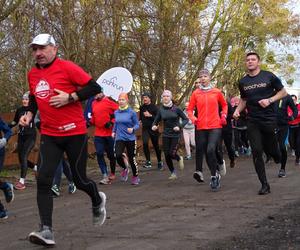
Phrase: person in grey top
(170,114)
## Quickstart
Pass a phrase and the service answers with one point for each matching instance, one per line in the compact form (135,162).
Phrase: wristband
(270,100)
(71,98)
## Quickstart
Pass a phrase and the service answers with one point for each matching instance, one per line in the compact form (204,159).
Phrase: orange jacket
(207,104)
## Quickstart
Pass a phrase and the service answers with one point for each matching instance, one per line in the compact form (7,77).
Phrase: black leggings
(25,145)
(227,136)
(282,135)
(130,147)
(170,147)
(293,135)
(263,138)
(154,136)
(51,152)
(206,144)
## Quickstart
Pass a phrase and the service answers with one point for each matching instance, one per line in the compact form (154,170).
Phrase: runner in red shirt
(207,100)
(103,109)
(56,89)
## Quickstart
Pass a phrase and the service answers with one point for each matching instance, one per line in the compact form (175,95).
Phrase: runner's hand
(264,103)
(147,114)
(3,142)
(176,129)
(130,130)
(113,135)
(236,114)
(25,119)
(154,128)
(59,100)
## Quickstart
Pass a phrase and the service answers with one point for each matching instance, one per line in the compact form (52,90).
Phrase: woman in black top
(26,141)
(170,114)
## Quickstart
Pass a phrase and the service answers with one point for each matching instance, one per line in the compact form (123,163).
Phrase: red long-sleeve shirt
(102,112)
(207,104)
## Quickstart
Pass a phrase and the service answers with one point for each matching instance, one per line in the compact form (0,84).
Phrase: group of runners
(57,87)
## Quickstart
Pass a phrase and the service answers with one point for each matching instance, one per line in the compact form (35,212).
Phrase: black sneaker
(9,192)
(3,214)
(198,176)
(281,173)
(148,164)
(265,189)
(215,183)
(160,165)
(42,237)
(99,213)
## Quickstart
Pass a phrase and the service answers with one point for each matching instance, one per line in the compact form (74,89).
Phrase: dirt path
(161,214)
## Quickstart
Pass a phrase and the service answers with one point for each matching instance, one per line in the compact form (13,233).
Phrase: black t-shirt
(255,88)
(147,121)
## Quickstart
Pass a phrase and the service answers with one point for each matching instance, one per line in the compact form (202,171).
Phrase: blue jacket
(125,119)
(5,129)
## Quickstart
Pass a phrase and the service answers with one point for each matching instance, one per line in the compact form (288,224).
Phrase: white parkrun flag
(115,81)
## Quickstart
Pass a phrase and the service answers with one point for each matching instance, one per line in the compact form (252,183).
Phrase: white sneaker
(222,169)
(181,163)
(42,237)
(99,213)
(105,181)
(173,176)
(198,176)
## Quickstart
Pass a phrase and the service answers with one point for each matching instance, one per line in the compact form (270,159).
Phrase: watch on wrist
(71,98)
(271,100)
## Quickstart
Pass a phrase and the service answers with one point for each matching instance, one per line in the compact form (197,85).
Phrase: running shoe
(188,157)
(265,189)
(173,176)
(124,174)
(222,168)
(20,186)
(236,153)
(9,192)
(147,164)
(112,177)
(281,173)
(42,237)
(215,182)
(181,163)
(297,161)
(135,180)
(293,152)
(105,181)
(3,214)
(198,176)
(99,212)
(248,151)
(160,165)
(72,188)
(55,190)
(232,163)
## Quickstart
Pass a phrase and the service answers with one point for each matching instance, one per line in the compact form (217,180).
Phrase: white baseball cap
(43,40)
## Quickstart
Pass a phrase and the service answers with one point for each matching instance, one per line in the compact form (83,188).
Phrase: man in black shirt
(148,112)
(259,90)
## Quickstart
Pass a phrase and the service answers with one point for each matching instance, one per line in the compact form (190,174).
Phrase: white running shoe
(99,213)
(42,237)
(198,176)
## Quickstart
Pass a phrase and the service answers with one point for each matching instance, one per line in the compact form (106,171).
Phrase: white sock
(22,180)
